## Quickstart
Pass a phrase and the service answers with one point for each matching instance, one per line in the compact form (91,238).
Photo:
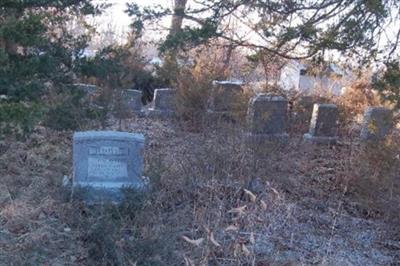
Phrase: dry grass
(212,203)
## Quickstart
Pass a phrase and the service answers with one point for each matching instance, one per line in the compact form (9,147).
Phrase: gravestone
(267,117)
(323,125)
(164,103)
(225,97)
(133,100)
(106,161)
(377,123)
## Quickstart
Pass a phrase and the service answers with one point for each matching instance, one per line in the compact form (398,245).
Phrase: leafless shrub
(370,177)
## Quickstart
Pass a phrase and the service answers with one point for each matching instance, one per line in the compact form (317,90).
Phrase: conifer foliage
(37,55)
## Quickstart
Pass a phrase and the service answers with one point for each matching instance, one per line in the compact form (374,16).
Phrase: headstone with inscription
(106,161)
(377,123)
(324,123)
(267,117)
(165,102)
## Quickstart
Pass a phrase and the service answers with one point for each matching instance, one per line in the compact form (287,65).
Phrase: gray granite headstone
(133,100)
(106,161)
(324,123)
(377,123)
(224,96)
(267,117)
(165,102)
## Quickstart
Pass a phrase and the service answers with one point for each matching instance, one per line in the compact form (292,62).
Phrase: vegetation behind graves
(38,55)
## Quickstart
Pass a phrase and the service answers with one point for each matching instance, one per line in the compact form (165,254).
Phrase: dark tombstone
(323,126)
(377,123)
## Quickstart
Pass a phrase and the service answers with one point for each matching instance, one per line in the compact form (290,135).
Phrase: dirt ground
(213,201)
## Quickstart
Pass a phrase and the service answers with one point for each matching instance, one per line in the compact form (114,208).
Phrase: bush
(357,97)
(372,178)
(192,96)
(19,119)
(387,83)
(69,110)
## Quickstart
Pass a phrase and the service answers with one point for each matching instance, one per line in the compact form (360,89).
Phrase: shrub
(69,110)
(19,119)
(372,178)
(387,83)
(192,97)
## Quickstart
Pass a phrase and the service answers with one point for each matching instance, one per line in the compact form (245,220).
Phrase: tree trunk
(176,23)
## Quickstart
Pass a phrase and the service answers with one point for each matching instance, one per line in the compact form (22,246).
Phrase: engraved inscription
(102,168)
(106,150)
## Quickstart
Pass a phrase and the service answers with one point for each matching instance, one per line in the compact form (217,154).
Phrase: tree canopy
(297,29)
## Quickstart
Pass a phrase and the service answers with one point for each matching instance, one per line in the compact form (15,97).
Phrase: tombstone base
(225,116)
(163,114)
(262,138)
(320,139)
(139,114)
(101,192)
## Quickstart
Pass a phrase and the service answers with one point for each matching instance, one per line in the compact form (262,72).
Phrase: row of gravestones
(222,100)
(106,161)
(132,100)
(267,118)
(267,115)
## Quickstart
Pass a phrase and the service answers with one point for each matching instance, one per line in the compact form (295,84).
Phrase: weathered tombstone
(377,123)
(225,97)
(106,161)
(133,100)
(267,117)
(164,103)
(323,126)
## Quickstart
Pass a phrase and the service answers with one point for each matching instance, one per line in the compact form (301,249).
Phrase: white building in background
(296,75)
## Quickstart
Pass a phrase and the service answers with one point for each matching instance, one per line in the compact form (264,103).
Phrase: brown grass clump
(194,85)
(192,97)
(352,104)
(372,177)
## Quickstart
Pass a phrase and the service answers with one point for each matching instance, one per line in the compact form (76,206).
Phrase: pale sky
(114,17)
(116,12)
(119,21)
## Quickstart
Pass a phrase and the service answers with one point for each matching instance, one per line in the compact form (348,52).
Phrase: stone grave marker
(225,97)
(133,100)
(377,123)
(267,117)
(164,103)
(323,125)
(106,161)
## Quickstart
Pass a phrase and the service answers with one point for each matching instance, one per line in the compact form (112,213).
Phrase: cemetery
(229,149)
